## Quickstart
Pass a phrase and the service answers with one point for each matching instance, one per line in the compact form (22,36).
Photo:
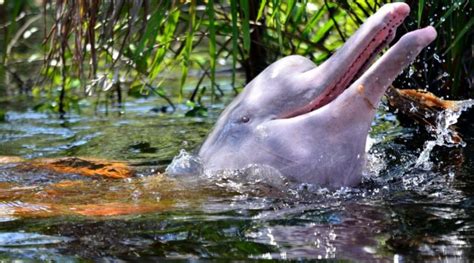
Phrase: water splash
(443,135)
(185,164)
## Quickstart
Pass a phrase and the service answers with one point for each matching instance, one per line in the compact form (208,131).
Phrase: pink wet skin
(310,124)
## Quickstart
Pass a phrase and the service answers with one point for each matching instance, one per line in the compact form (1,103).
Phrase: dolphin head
(311,122)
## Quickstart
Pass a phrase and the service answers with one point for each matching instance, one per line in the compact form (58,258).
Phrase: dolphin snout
(400,9)
(410,45)
(423,36)
(394,15)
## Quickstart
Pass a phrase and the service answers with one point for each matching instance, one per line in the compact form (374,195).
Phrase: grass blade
(290,5)
(149,37)
(276,19)
(460,35)
(314,20)
(263,3)
(168,35)
(235,35)
(244,5)
(212,45)
(455,6)
(188,47)
(421,5)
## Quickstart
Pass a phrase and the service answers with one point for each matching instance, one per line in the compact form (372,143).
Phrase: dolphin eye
(244,119)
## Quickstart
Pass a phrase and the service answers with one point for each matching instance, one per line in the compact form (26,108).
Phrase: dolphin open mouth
(354,67)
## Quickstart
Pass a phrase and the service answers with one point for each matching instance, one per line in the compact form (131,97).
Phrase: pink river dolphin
(311,122)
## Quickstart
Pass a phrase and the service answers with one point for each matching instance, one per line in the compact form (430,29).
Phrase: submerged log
(84,166)
(19,209)
(97,198)
(422,108)
(90,167)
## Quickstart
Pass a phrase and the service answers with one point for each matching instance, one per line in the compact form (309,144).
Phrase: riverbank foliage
(61,52)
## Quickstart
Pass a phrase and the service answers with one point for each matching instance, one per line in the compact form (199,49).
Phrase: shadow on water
(400,212)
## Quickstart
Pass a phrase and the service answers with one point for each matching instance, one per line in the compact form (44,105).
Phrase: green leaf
(322,31)
(300,10)
(460,34)
(276,19)
(197,110)
(188,47)
(212,44)
(152,27)
(453,7)
(314,20)
(235,36)
(290,5)
(168,35)
(244,4)
(421,5)
(10,30)
(261,8)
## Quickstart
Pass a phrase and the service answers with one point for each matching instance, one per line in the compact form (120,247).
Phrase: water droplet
(413,108)
(410,72)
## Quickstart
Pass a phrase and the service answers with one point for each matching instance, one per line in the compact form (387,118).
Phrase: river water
(403,211)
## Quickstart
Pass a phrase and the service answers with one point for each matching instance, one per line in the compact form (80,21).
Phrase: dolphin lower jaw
(365,58)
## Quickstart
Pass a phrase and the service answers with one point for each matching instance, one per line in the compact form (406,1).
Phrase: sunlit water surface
(402,211)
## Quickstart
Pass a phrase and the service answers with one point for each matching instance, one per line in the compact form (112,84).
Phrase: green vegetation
(61,52)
